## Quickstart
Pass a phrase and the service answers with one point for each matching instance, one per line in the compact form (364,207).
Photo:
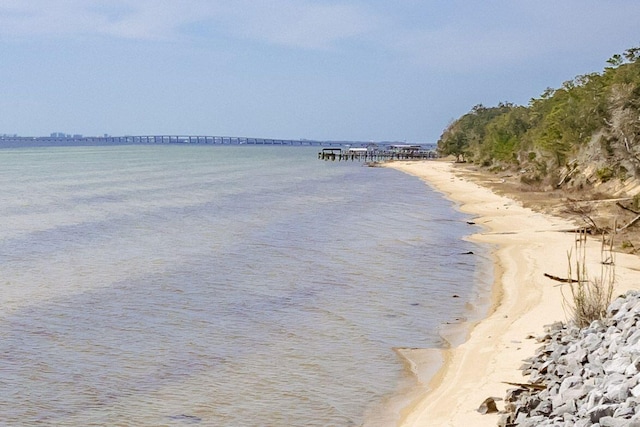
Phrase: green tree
(594,111)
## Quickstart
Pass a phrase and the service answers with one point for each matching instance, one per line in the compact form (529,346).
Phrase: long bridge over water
(170,139)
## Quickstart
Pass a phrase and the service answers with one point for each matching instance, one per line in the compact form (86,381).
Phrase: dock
(376,154)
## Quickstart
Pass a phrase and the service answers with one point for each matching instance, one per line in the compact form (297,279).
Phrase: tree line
(593,119)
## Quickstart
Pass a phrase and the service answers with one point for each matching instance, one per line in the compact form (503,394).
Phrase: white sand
(528,244)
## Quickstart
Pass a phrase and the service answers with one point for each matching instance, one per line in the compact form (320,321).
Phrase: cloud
(297,24)
(455,35)
(483,36)
(307,25)
(129,19)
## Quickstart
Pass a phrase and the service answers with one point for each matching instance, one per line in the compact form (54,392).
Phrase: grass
(590,297)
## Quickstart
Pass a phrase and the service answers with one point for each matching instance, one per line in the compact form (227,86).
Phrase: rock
(636,391)
(634,338)
(543,408)
(591,375)
(569,383)
(505,420)
(594,398)
(632,369)
(623,412)
(488,406)
(569,407)
(591,343)
(617,366)
(532,422)
(615,306)
(576,393)
(601,411)
(613,422)
(617,392)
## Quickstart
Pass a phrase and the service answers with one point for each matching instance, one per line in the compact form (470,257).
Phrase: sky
(357,70)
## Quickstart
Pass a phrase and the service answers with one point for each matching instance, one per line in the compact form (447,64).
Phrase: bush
(605,174)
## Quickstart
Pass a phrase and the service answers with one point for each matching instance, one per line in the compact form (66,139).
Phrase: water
(218,286)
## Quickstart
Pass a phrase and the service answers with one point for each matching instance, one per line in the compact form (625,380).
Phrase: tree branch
(626,208)
(632,222)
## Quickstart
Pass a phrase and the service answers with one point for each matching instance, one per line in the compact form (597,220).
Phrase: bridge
(40,141)
(164,139)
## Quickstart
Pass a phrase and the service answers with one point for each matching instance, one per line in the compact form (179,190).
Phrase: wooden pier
(393,152)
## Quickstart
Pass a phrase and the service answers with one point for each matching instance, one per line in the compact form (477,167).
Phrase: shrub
(605,174)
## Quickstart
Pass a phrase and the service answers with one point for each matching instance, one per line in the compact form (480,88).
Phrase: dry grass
(590,297)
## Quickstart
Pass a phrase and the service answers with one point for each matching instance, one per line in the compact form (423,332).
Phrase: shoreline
(526,245)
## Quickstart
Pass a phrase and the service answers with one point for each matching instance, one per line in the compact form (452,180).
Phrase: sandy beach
(526,245)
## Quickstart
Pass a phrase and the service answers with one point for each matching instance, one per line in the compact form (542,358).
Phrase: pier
(376,154)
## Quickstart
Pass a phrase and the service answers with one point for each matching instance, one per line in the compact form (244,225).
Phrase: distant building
(66,135)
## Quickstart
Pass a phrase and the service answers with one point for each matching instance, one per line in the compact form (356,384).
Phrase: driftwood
(620,205)
(584,209)
(568,175)
(632,222)
(560,279)
(528,386)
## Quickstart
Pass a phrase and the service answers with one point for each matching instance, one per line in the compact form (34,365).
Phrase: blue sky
(332,70)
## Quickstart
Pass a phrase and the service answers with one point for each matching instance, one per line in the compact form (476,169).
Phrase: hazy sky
(343,69)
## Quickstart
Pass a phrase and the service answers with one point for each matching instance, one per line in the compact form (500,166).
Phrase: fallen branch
(568,175)
(527,385)
(559,279)
(632,222)
(583,209)
(620,205)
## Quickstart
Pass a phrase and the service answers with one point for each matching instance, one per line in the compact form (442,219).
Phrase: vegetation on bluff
(585,133)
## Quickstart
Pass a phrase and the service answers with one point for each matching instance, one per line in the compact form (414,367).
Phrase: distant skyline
(321,70)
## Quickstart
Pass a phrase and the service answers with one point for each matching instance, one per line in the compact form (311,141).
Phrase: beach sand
(526,245)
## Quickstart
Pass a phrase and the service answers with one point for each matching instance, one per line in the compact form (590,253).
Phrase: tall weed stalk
(590,297)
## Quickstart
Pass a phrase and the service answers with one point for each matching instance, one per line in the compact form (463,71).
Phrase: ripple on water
(198,285)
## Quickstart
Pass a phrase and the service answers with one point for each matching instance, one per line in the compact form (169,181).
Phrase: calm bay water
(218,286)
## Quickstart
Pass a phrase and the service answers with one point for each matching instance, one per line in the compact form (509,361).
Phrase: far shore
(527,245)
